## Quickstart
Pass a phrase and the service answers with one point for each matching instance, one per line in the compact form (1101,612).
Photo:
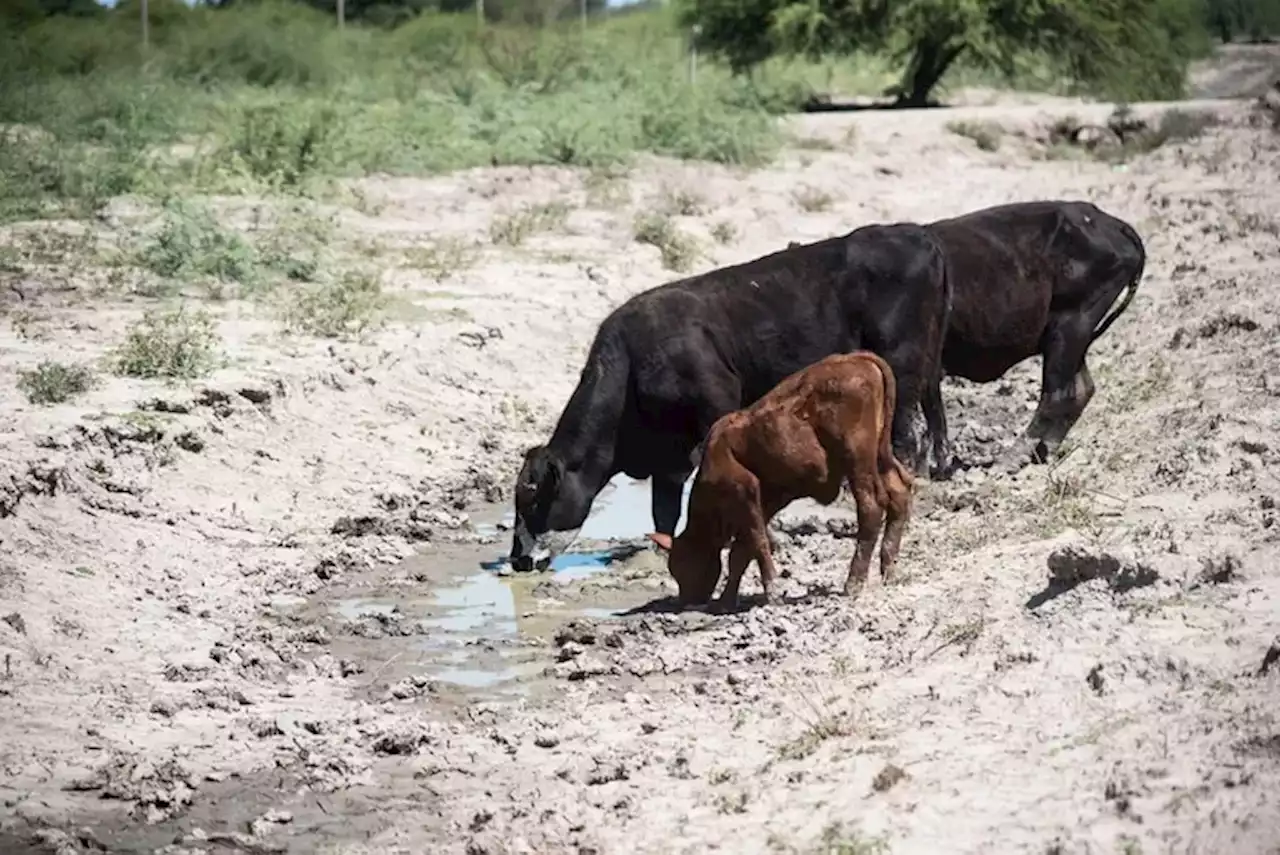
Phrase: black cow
(671,360)
(1037,277)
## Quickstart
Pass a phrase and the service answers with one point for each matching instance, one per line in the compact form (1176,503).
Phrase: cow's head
(694,562)
(550,509)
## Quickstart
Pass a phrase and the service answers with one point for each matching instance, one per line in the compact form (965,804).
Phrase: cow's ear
(531,451)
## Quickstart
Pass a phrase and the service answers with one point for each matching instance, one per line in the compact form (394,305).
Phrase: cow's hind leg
(1059,420)
(1066,389)
(935,416)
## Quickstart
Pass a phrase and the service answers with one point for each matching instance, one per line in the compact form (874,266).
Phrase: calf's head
(694,562)
(551,505)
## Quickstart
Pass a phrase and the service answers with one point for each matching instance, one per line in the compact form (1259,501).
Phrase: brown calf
(818,428)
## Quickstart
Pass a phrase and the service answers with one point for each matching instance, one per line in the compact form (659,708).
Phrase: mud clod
(1074,564)
(1217,571)
(887,778)
(15,622)
(1270,658)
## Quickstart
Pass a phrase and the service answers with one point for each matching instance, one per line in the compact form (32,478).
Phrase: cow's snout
(526,553)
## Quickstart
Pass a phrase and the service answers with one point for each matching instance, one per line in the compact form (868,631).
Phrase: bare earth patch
(1072,662)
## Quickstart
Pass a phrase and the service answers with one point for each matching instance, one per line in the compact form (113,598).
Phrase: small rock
(1271,657)
(164,708)
(16,621)
(1094,679)
(887,777)
(546,739)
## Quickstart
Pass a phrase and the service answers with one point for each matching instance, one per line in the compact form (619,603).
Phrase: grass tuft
(514,229)
(987,135)
(55,382)
(172,344)
(338,308)
(679,250)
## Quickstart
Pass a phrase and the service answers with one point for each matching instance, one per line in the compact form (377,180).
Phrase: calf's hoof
(852,590)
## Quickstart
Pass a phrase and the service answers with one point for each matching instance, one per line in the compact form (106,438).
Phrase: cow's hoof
(722,607)
(853,590)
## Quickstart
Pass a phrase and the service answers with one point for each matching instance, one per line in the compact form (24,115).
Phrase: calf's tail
(1131,288)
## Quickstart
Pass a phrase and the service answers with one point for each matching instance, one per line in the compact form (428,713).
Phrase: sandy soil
(1073,661)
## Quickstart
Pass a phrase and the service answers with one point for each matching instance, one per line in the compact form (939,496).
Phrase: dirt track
(165,680)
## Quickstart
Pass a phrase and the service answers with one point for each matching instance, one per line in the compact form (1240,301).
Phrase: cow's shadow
(746,602)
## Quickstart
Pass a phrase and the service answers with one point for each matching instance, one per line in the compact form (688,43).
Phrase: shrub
(55,382)
(172,344)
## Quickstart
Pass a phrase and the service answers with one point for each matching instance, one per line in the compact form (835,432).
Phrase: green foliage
(1250,19)
(190,243)
(270,95)
(337,308)
(1119,48)
(172,344)
(55,382)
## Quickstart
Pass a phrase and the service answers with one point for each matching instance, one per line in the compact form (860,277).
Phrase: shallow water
(478,609)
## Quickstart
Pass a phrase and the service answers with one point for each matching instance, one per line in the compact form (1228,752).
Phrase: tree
(1128,48)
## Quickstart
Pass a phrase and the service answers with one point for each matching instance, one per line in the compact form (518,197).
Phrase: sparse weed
(837,839)
(55,382)
(812,200)
(815,144)
(724,232)
(732,803)
(679,250)
(172,344)
(29,324)
(344,306)
(987,135)
(514,229)
(442,258)
(606,187)
(811,738)
(681,202)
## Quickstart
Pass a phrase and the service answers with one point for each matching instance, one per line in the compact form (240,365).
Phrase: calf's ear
(663,540)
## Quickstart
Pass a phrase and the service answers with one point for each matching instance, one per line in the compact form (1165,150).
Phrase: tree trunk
(929,62)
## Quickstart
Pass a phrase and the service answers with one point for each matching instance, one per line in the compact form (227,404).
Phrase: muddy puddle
(472,625)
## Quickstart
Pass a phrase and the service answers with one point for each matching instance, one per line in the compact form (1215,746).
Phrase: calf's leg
(740,555)
(866,495)
(898,511)
(751,542)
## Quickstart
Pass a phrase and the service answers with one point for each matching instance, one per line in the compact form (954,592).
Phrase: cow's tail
(1131,288)
(886,461)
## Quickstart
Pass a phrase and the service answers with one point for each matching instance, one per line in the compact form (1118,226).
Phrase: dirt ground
(1077,658)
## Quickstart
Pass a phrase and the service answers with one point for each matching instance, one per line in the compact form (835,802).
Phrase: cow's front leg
(665,501)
